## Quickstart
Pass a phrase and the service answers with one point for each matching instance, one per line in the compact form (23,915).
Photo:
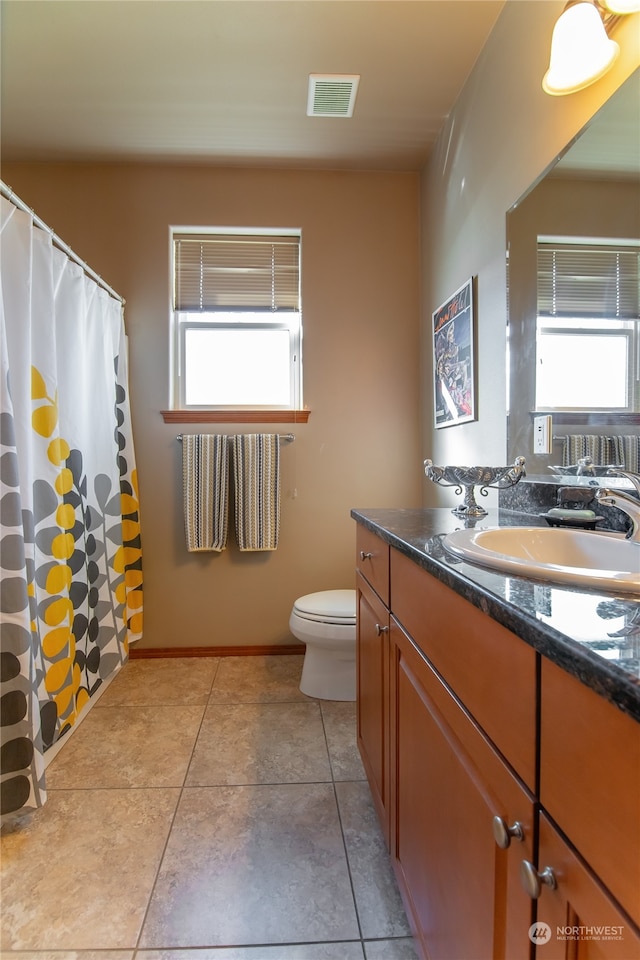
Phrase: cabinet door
(590,780)
(462,891)
(582,922)
(372,696)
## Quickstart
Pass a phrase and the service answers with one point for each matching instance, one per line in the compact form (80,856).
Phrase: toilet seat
(328,606)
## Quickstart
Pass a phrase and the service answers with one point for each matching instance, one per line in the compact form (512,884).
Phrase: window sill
(235,416)
(595,419)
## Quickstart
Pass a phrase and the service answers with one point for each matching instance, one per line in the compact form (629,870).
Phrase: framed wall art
(454,358)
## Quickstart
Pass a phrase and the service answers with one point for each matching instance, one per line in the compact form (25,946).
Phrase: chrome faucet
(629,505)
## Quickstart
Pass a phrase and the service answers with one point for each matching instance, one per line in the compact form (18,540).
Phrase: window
(236,320)
(588,337)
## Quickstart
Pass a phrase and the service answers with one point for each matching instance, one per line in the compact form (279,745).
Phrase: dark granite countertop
(593,636)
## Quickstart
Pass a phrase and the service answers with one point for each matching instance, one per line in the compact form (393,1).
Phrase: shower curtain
(70,551)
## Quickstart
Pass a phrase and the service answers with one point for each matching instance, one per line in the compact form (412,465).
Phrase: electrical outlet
(542,427)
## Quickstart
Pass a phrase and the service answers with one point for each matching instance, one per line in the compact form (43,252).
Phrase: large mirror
(588,205)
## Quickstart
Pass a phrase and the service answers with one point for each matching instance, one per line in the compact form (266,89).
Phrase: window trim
(236,416)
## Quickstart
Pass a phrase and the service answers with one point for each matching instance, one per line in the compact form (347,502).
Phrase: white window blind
(588,280)
(236,272)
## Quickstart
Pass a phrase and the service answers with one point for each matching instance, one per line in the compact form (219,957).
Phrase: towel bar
(564,437)
(288,437)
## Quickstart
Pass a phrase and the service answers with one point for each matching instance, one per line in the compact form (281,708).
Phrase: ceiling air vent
(332,95)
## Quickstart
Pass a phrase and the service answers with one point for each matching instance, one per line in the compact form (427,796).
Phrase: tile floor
(205,809)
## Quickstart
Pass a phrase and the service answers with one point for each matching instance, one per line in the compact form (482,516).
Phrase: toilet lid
(328,606)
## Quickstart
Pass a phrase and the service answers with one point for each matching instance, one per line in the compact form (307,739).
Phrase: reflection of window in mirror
(588,324)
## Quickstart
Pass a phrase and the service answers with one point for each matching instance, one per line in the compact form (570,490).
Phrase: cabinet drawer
(492,671)
(590,780)
(372,560)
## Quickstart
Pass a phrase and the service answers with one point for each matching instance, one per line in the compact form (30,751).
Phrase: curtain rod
(287,437)
(21,205)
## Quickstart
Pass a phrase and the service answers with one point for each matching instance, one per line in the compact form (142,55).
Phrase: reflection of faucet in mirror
(590,199)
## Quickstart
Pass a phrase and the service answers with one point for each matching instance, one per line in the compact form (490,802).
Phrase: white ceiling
(225,81)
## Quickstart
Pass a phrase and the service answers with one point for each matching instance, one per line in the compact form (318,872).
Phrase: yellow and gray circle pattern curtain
(70,550)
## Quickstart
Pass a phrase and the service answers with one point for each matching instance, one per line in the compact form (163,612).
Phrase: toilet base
(328,674)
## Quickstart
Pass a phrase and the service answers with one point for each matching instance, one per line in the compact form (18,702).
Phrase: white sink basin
(583,558)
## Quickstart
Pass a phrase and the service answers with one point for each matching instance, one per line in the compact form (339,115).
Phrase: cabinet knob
(532,880)
(503,834)
(380,629)
(365,556)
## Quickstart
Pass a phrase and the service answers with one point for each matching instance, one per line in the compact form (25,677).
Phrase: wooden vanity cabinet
(462,890)
(464,729)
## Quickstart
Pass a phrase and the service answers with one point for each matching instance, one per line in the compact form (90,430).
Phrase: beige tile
(77,875)
(128,747)
(66,955)
(378,902)
(260,743)
(250,865)
(340,727)
(258,680)
(351,950)
(403,948)
(166,680)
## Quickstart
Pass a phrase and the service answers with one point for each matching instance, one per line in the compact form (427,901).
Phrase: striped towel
(580,445)
(205,480)
(631,459)
(618,450)
(256,462)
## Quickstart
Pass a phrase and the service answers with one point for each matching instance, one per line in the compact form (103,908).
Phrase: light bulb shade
(581,52)
(622,7)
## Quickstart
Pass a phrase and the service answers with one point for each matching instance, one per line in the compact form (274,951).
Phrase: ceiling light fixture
(622,7)
(581,51)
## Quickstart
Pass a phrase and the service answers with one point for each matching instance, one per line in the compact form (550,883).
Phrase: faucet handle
(635,479)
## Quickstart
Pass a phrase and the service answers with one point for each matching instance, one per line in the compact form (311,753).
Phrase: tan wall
(502,135)
(360,448)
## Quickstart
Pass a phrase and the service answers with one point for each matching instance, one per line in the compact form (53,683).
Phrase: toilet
(326,623)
